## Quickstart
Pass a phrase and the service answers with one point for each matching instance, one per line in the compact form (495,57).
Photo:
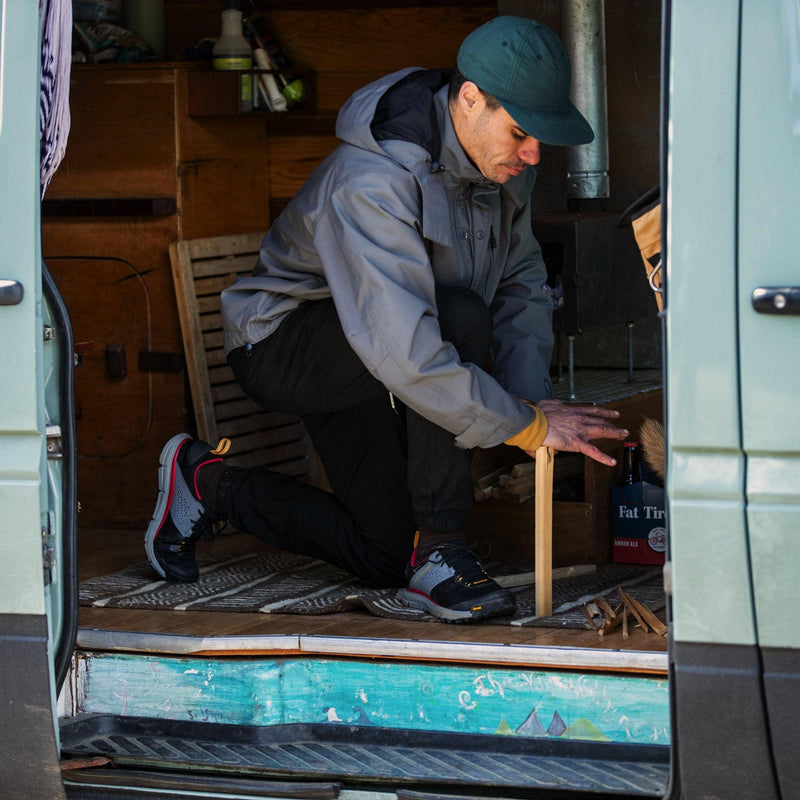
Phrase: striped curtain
(54,119)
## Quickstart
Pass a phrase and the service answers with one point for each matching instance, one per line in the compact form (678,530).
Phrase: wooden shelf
(214,93)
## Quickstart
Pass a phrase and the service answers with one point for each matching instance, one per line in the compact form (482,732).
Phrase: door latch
(11,292)
(774,300)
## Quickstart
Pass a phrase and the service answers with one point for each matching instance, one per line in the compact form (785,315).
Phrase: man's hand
(571,427)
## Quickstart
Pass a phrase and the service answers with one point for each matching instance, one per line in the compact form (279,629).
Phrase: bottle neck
(232,22)
(630,464)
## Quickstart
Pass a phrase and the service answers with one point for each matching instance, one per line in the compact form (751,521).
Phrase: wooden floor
(101,552)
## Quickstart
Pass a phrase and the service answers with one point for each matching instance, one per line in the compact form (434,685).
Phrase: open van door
(769,355)
(733,357)
(37,474)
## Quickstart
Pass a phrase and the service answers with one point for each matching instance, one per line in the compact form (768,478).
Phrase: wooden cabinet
(139,174)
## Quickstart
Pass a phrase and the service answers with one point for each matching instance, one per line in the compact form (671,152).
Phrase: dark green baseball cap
(523,64)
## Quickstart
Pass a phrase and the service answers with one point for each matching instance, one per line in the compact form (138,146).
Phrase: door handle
(11,292)
(776,300)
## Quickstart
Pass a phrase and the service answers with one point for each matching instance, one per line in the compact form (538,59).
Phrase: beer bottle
(630,464)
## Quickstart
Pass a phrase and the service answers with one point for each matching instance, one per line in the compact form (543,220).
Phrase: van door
(29,529)
(769,353)
(720,725)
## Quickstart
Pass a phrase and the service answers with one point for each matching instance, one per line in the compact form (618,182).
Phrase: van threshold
(583,658)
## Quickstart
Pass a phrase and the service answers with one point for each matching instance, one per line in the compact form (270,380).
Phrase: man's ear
(470,97)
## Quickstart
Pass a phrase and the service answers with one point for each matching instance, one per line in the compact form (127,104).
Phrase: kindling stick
(543,532)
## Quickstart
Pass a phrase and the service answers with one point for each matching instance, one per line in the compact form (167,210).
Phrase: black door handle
(11,293)
(777,300)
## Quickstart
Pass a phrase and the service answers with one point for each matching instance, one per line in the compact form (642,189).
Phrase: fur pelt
(651,438)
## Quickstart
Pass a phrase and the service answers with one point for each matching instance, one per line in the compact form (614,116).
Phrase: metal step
(360,754)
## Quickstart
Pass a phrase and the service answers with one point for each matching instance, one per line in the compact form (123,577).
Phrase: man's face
(499,148)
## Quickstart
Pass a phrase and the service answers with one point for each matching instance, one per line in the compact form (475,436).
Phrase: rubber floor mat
(353,753)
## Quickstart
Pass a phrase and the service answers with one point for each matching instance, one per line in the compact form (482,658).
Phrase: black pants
(391,470)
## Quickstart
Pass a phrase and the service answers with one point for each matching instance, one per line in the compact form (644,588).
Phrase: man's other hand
(572,427)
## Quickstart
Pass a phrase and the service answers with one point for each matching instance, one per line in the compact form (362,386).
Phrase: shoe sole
(167,464)
(499,606)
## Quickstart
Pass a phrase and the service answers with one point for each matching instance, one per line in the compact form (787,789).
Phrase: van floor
(101,552)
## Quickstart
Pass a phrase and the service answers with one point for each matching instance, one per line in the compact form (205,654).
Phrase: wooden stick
(605,606)
(647,615)
(543,532)
(492,477)
(629,603)
(593,615)
(525,468)
(529,578)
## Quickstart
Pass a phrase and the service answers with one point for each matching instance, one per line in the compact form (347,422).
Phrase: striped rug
(284,583)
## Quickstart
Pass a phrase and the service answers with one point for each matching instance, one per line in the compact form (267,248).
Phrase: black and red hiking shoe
(450,583)
(181,516)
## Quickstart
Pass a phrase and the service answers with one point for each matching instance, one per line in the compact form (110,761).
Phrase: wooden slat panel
(204,287)
(275,457)
(224,267)
(211,322)
(196,364)
(236,408)
(201,269)
(298,468)
(226,391)
(213,339)
(215,357)
(254,423)
(208,256)
(220,374)
(208,304)
(279,435)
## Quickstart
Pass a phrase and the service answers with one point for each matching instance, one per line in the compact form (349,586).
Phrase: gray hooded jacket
(394,211)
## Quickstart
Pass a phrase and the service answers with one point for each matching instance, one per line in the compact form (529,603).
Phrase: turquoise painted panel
(388,695)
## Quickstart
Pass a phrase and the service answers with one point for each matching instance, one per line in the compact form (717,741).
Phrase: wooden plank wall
(132,137)
(343,48)
(115,276)
(348,48)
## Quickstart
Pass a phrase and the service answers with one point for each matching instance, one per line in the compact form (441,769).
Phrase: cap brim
(567,127)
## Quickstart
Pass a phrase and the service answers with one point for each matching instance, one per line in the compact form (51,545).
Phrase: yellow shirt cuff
(531,436)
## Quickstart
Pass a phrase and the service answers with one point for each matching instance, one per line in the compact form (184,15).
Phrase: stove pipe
(584,34)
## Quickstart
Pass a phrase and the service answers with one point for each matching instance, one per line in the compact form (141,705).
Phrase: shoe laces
(207,528)
(463,562)
(222,447)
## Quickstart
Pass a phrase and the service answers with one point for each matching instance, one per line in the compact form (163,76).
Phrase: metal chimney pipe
(583,31)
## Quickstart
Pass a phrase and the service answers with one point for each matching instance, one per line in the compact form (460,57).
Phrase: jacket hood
(399,106)
(402,107)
